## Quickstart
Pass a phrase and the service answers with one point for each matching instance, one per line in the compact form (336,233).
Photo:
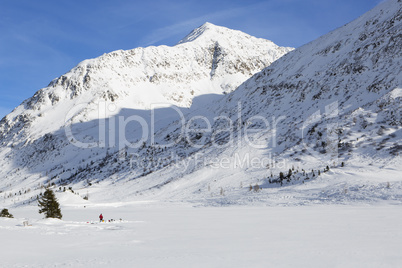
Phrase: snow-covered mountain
(321,124)
(210,61)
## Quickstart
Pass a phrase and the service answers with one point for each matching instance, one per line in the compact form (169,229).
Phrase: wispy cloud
(184,26)
(17,38)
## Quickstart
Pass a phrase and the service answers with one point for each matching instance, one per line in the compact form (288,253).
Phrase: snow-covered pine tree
(48,204)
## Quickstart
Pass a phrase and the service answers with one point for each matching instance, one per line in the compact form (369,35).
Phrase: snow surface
(152,234)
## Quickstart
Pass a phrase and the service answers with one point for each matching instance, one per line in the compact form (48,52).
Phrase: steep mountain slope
(350,78)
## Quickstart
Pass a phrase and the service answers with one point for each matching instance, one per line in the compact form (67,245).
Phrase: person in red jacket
(101,217)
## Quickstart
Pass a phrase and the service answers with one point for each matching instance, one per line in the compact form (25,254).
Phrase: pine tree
(281,177)
(48,204)
(5,213)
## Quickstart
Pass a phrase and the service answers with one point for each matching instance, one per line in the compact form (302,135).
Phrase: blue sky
(43,39)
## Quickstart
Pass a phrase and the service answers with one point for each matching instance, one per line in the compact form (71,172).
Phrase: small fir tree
(48,204)
(6,214)
(289,173)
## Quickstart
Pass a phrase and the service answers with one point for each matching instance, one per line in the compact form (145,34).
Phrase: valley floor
(155,234)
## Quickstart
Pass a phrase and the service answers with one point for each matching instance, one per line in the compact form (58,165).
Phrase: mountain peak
(208,31)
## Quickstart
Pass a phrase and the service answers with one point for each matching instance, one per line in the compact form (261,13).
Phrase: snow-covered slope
(326,115)
(350,78)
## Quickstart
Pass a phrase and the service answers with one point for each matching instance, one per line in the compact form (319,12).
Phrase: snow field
(170,235)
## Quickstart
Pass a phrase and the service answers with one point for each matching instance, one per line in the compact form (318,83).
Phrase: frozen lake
(170,235)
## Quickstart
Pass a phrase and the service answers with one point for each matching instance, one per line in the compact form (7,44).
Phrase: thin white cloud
(180,28)
(22,37)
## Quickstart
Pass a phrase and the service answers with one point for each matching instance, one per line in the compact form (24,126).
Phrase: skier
(101,217)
